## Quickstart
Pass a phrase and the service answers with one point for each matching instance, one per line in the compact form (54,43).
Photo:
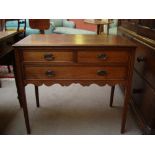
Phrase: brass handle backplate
(49,57)
(50,73)
(102,56)
(102,72)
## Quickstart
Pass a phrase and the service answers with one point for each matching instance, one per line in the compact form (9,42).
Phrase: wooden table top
(6,34)
(73,40)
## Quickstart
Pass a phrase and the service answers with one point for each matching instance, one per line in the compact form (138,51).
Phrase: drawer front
(48,56)
(145,63)
(77,72)
(103,56)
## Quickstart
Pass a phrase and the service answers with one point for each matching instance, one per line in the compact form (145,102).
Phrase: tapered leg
(125,109)
(18,92)
(112,95)
(107,29)
(98,29)
(16,81)
(24,104)
(37,96)
(21,89)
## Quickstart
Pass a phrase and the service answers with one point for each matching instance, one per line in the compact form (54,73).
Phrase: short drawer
(77,72)
(103,56)
(48,55)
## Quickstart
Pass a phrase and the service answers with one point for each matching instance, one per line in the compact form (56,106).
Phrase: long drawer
(103,56)
(78,72)
(47,55)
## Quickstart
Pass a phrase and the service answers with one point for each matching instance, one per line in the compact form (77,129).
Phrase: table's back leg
(112,95)
(37,95)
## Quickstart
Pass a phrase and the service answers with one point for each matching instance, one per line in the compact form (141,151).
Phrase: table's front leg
(25,110)
(125,107)
(21,89)
(16,81)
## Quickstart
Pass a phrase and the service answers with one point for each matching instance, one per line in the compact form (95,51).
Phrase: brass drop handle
(49,57)
(102,72)
(102,56)
(141,59)
(50,73)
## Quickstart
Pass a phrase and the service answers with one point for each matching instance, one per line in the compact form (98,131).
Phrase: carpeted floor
(64,110)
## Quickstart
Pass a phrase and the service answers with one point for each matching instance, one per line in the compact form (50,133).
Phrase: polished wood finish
(56,41)
(48,55)
(6,41)
(71,65)
(142,33)
(103,56)
(77,72)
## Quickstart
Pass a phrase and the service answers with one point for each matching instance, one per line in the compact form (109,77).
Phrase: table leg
(112,95)
(98,29)
(107,29)
(125,108)
(21,89)
(37,96)
(16,81)
(24,104)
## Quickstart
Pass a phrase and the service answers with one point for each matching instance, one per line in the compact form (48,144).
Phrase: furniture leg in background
(9,69)
(37,96)
(112,95)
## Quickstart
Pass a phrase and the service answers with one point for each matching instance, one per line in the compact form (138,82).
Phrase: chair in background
(20,27)
(41,24)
